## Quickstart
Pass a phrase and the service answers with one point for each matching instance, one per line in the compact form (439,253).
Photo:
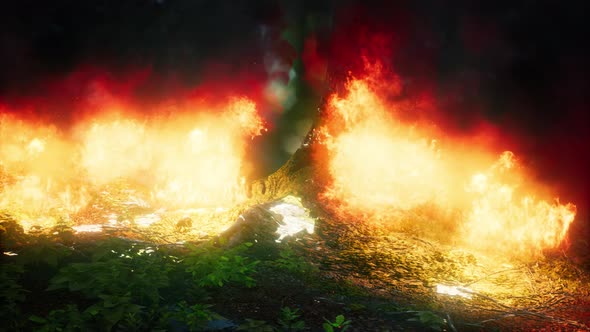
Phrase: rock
(270,223)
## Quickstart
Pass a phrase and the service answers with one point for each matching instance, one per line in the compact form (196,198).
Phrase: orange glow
(500,218)
(33,170)
(380,166)
(189,158)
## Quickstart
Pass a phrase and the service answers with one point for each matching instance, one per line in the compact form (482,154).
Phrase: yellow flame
(364,168)
(498,218)
(379,165)
(34,172)
(189,158)
(375,161)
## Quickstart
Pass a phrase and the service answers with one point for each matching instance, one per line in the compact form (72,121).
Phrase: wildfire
(381,166)
(501,217)
(189,158)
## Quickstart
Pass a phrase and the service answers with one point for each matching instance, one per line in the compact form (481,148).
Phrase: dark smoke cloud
(45,38)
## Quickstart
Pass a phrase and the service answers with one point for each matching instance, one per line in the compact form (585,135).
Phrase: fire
(381,166)
(499,216)
(178,159)
(33,172)
(375,161)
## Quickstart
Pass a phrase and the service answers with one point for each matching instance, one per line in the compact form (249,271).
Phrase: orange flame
(380,165)
(498,218)
(194,158)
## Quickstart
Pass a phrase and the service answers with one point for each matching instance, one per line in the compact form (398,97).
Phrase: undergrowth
(113,284)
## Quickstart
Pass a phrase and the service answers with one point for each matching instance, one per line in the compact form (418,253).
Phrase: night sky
(521,65)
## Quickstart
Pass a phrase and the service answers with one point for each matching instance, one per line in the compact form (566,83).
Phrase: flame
(190,156)
(34,177)
(380,166)
(376,161)
(499,218)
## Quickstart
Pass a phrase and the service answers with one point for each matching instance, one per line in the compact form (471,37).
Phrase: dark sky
(522,65)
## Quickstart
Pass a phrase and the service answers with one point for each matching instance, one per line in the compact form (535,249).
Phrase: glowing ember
(147,220)
(88,228)
(381,166)
(454,291)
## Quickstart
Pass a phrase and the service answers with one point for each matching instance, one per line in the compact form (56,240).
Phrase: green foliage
(43,251)
(429,319)
(125,285)
(289,320)
(339,324)
(214,267)
(122,278)
(112,309)
(67,319)
(137,270)
(12,233)
(295,264)
(11,293)
(255,326)
(195,316)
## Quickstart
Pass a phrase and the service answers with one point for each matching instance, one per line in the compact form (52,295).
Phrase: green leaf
(328,327)
(37,319)
(299,325)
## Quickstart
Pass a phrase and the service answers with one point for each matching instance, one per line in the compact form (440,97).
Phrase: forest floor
(131,279)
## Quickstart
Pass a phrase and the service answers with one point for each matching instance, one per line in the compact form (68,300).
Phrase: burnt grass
(59,281)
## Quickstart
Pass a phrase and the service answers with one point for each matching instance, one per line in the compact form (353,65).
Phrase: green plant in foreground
(195,316)
(429,319)
(11,293)
(255,326)
(214,267)
(67,319)
(133,286)
(289,320)
(294,263)
(339,324)
(122,279)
